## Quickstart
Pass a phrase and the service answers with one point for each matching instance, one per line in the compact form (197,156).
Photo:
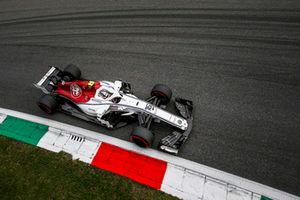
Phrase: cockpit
(104,94)
(108,92)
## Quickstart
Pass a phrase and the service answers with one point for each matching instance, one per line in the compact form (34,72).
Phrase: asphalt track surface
(239,61)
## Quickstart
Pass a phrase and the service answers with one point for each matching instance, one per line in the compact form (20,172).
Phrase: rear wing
(45,80)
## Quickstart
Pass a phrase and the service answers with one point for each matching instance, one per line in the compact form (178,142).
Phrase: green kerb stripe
(264,198)
(22,130)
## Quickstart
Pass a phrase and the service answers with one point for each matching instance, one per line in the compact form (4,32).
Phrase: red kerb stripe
(138,167)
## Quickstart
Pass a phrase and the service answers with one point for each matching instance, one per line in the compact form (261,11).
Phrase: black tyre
(72,72)
(163,92)
(142,137)
(48,103)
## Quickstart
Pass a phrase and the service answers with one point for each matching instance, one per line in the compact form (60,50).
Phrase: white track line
(191,166)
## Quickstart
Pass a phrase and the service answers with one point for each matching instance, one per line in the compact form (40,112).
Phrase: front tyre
(48,103)
(142,137)
(162,92)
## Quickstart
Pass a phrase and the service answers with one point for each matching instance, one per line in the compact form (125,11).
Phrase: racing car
(113,105)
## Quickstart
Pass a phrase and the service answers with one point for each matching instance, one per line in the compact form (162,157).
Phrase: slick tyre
(72,72)
(163,92)
(48,103)
(142,137)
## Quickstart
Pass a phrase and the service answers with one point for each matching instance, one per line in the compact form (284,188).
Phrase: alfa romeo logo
(75,90)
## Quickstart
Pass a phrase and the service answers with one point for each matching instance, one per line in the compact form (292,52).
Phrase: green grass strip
(27,172)
(22,130)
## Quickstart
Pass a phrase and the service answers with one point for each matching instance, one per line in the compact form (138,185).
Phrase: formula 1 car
(113,105)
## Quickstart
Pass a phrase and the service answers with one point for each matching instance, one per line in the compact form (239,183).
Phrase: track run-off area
(238,61)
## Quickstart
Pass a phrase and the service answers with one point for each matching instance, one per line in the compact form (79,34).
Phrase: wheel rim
(159,94)
(140,141)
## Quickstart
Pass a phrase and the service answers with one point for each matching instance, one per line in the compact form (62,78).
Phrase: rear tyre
(72,72)
(142,137)
(48,103)
(163,92)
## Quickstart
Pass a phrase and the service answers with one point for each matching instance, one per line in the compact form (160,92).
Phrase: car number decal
(149,107)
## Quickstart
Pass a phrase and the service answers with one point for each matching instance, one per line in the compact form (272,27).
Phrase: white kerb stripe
(78,146)
(2,117)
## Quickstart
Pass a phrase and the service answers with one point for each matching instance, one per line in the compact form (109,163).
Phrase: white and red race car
(112,104)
